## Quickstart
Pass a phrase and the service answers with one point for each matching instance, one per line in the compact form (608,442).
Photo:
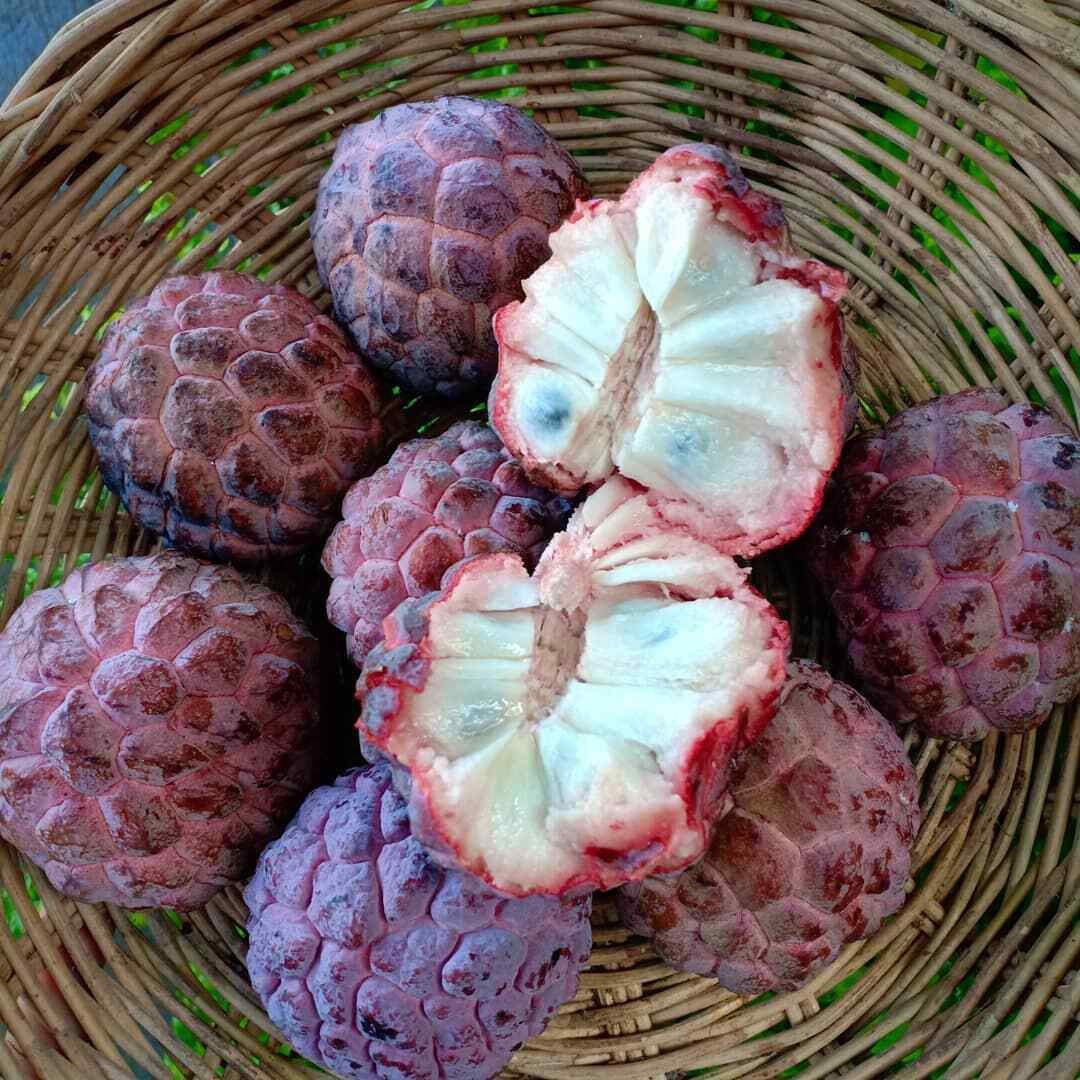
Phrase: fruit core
(558,641)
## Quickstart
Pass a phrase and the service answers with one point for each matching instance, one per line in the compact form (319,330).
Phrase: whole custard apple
(375,962)
(231,416)
(158,724)
(427,221)
(949,547)
(677,338)
(435,502)
(815,853)
(574,729)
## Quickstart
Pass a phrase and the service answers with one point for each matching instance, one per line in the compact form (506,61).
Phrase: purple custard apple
(435,502)
(428,220)
(375,962)
(949,547)
(814,854)
(230,416)
(158,724)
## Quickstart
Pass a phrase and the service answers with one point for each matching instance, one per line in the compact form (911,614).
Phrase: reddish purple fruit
(158,723)
(435,502)
(230,416)
(815,853)
(950,549)
(375,962)
(428,220)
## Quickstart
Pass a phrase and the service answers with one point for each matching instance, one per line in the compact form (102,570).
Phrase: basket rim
(933,152)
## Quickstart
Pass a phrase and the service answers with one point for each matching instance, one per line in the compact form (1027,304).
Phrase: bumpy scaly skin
(677,338)
(158,722)
(950,550)
(574,729)
(815,853)
(230,416)
(427,221)
(375,962)
(435,502)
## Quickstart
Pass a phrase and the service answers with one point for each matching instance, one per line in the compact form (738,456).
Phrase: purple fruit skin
(375,962)
(436,501)
(427,222)
(230,416)
(158,723)
(949,548)
(815,854)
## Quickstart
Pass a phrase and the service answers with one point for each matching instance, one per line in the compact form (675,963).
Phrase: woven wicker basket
(930,151)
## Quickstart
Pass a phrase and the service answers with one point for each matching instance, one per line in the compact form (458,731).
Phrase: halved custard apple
(575,728)
(677,338)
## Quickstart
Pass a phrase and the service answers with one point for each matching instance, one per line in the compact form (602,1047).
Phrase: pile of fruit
(567,682)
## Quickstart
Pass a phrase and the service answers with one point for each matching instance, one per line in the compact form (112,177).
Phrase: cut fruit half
(575,728)
(675,337)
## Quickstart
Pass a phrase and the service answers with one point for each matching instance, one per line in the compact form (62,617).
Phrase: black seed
(686,445)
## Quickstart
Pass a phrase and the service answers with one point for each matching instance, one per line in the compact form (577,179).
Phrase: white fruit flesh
(555,737)
(660,342)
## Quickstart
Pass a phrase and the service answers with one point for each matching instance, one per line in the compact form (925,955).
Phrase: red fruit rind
(436,501)
(158,721)
(949,547)
(574,729)
(230,416)
(815,853)
(676,337)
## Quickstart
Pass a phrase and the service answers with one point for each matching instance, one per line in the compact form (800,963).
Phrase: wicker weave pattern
(156,135)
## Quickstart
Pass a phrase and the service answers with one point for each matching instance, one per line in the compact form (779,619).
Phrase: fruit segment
(949,548)
(158,724)
(230,416)
(575,728)
(676,338)
(427,220)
